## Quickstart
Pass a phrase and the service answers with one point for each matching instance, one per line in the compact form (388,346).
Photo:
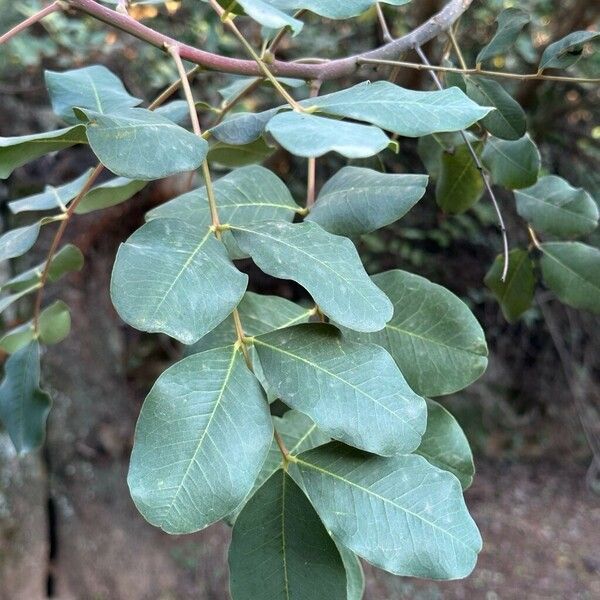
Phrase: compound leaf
(259,314)
(244,196)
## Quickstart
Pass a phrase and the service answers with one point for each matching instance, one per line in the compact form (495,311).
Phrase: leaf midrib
(206,428)
(432,340)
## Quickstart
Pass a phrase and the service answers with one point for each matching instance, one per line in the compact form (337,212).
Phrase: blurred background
(68,528)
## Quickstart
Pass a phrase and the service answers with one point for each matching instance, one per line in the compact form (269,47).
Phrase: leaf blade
(194,461)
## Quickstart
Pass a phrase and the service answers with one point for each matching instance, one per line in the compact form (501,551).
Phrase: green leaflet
(328,266)
(332,9)
(175,278)
(553,207)
(93,88)
(281,550)
(200,441)
(373,505)
(433,336)
(54,327)
(353,392)
(460,184)
(510,24)
(259,314)
(68,259)
(572,271)
(103,195)
(514,295)
(243,128)
(6,301)
(109,193)
(358,200)
(239,156)
(422,113)
(508,121)
(312,136)
(52,197)
(513,164)
(16,242)
(567,51)
(176,111)
(24,407)
(16,151)
(140,144)
(445,445)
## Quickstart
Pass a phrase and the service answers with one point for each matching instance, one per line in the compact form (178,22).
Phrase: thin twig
(457,50)
(311,182)
(187,90)
(56,241)
(501,74)
(281,444)
(385,30)
(162,98)
(481,170)
(56,6)
(210,191)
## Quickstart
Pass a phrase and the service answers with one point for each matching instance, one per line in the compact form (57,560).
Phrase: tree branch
(38,16)
(333,69)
